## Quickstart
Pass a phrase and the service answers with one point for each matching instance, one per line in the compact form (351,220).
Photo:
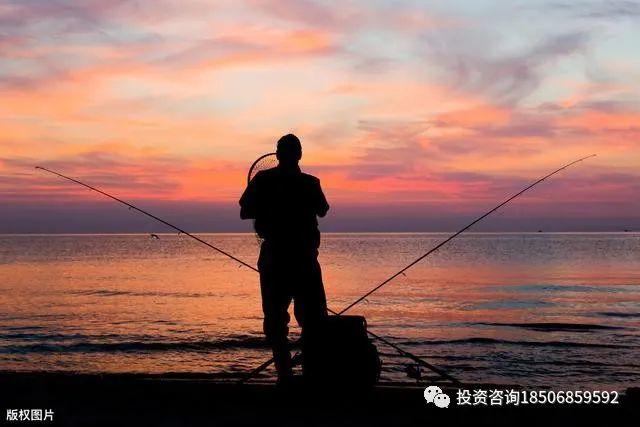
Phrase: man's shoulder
(274,174)
(310,178)
(266,174)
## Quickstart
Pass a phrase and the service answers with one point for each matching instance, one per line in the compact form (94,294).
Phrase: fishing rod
(432,250)
(400,350)
(462,230)
(180,230)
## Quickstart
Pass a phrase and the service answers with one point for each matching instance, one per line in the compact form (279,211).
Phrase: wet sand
(169,400)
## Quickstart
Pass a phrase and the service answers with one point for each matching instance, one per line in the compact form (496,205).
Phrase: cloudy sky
(416,115)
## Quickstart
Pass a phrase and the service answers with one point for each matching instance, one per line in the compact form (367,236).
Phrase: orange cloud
(392,108)
(476,116)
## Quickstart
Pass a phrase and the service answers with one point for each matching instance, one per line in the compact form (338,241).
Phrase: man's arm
(248,201)
(322,206)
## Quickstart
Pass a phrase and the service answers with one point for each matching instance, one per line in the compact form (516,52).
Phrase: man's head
(289,150)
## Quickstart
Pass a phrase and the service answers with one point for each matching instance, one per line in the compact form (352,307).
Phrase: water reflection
(130,303)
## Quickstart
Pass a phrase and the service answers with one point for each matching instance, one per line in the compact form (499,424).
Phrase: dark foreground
(117,400)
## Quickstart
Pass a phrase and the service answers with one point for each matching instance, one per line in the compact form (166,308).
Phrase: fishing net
(266,161)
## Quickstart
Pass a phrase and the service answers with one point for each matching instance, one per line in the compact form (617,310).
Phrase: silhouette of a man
(285,204)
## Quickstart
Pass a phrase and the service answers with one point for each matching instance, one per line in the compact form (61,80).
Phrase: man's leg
(310,310)
(275,303)
(310,306)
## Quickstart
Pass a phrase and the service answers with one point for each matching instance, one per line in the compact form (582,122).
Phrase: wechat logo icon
(433,394)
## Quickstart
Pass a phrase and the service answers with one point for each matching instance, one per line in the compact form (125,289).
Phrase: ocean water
(559,310)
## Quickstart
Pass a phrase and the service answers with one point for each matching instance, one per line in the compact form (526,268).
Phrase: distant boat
(539,231)
(154,236)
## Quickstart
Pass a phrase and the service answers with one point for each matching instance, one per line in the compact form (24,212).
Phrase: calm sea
(551,310)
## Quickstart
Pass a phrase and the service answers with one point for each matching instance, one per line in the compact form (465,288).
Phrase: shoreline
(170,399)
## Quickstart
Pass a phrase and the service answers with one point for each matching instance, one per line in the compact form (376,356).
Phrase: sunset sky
(415,115)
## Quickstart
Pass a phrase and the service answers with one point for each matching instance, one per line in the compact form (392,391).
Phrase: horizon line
(243,233)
